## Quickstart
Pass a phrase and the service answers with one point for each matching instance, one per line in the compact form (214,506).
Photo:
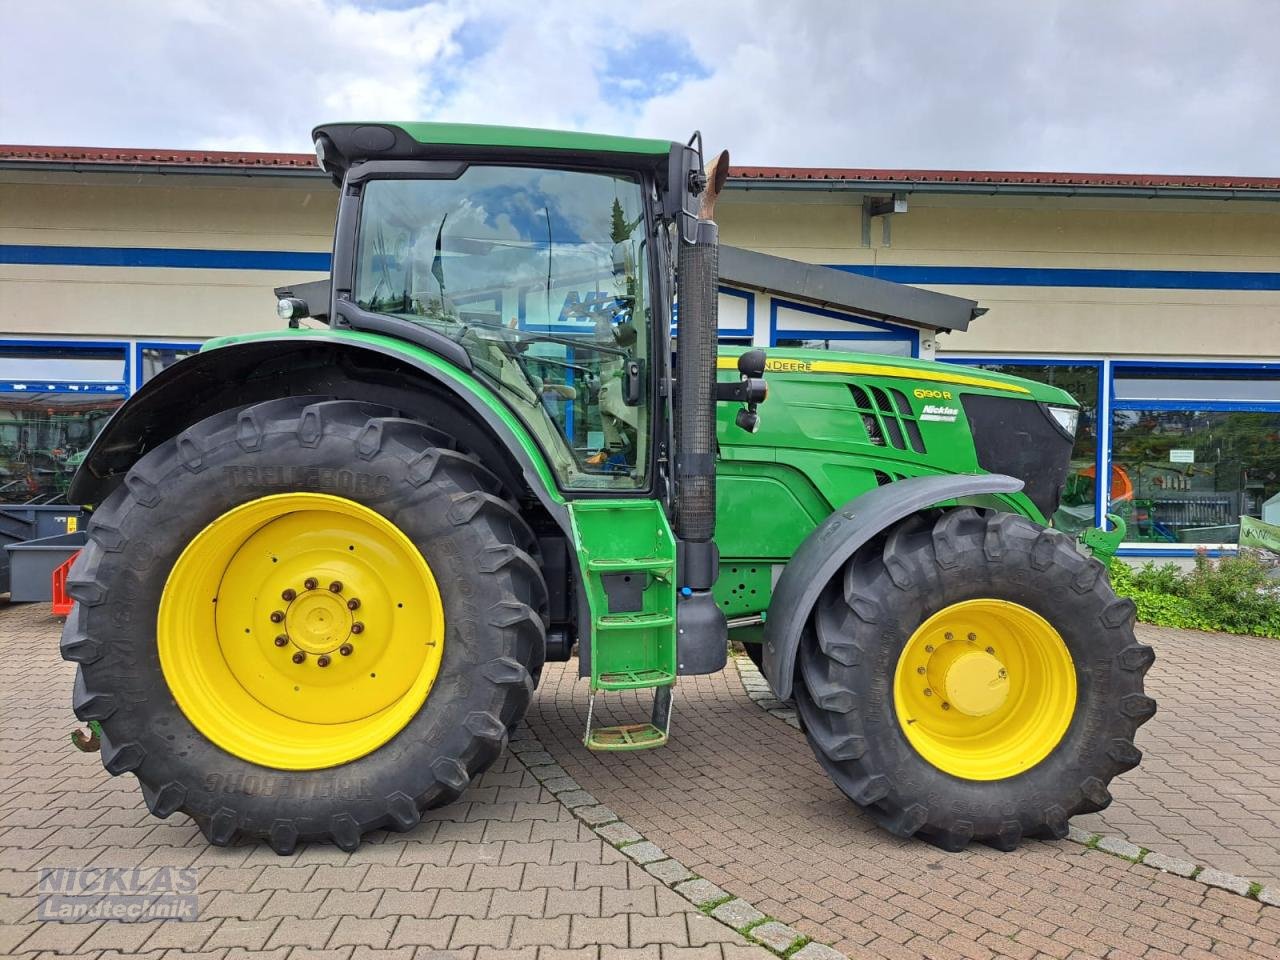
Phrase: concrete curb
(757,688)
(735,914)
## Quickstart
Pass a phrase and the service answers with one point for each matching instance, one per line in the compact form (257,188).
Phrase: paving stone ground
(506,873)
(738,797)
(1209,785)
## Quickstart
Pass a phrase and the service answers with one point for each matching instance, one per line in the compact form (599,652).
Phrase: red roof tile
(179,158)
(978,177)
(238,159)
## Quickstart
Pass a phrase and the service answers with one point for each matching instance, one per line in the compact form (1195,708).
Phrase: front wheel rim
(300,631)
(985,689)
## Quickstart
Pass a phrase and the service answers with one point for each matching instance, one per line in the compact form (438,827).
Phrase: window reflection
(155,359)
(1189,475)
(44,438)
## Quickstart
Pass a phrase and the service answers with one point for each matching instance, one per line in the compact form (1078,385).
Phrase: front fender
(835,540)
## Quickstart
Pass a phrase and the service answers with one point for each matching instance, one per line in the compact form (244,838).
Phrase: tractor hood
(852,421)
(841,364)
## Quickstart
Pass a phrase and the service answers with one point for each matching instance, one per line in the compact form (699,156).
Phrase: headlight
(291,308)
(1067,418)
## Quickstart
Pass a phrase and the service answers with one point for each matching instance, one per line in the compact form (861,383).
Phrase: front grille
(1018,438)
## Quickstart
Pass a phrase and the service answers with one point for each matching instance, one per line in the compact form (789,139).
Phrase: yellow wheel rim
(985,689)
(300,631)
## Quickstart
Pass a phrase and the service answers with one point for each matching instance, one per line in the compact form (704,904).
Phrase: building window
(794,324)
(29,363)
(43,439)
(1196,449)
(54,398)
(161,357)
(888,345)
(1189,475)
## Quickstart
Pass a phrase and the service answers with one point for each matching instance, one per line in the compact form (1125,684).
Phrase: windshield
(540,276)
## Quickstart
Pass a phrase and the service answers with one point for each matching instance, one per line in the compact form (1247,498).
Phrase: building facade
(1154,300)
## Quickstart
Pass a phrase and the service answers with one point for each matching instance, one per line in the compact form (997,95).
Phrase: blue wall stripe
(974,276)
(1068,277)
(163,257)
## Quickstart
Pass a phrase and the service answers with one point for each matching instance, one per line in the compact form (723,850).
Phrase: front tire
(1008,620)
(376,686)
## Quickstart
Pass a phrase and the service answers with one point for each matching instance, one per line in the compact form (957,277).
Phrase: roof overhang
(839,290)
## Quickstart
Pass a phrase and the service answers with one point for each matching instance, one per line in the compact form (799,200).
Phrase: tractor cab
(544,266)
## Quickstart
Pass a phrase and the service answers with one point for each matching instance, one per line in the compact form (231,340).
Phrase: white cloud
(1149,85)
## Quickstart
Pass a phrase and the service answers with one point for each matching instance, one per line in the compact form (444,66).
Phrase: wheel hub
(318,621)
(972,681)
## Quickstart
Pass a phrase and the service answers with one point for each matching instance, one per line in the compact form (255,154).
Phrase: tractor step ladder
(632,736)
(628,559)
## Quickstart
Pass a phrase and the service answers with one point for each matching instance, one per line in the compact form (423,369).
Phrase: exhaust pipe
(702,640)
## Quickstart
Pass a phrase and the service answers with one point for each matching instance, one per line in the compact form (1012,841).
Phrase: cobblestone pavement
(506,873)
(738,797)
(1209,785)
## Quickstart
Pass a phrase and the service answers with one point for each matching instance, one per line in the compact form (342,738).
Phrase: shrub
(1233,595)
(1166,578)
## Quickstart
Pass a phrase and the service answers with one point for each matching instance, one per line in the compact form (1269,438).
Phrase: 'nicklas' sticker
(939,414)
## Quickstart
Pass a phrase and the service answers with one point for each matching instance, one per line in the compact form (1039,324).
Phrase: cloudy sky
(1183,86)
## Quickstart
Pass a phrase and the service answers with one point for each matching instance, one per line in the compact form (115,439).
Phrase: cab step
(628,557)
(632,736)
(634,679)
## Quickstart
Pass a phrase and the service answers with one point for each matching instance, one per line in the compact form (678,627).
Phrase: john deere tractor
(327,563)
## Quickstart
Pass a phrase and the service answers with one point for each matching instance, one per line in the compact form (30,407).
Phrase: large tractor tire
(305,620)
(972,676)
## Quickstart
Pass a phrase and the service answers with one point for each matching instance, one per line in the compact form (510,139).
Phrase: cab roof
(475,134)
(395,140)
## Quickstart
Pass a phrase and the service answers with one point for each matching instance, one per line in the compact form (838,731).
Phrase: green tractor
(327,563)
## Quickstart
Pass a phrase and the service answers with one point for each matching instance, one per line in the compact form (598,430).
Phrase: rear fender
(355,366)
(838,538)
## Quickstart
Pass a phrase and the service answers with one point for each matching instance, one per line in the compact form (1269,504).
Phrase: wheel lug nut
(928,692)
(353,604)
(991,650)
(323,661)
(311,583)
(299,656)
(929,648)
(921,670)
(973,636)
(346,649)
(335,587)
(946,706)
(950,636)
(277,616)
(357,627)
(281,640)
(288,595)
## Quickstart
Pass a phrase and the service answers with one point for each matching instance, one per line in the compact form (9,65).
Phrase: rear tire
(477,547)
(849,674)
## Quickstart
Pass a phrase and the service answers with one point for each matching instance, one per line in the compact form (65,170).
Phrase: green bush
(1166,578)
(1233,595)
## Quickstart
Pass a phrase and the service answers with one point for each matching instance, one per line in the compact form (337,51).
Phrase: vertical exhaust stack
(702,641)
